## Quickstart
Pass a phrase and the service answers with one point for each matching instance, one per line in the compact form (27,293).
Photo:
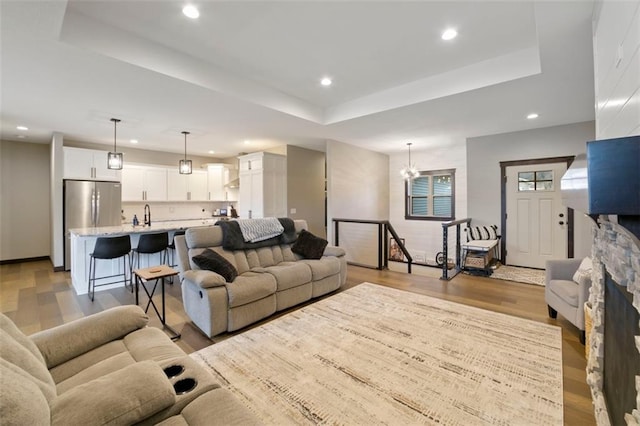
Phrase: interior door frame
(503,202)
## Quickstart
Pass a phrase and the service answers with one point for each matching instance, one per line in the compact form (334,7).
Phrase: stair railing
(384,229)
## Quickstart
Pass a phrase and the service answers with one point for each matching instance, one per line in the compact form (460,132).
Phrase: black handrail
(445,246)
(384,228)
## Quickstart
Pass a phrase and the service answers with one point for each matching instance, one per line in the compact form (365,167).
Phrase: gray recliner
(567,285)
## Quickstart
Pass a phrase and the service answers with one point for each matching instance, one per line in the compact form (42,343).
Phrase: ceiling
(245,76)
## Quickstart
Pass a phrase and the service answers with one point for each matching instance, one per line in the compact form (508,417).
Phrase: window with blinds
(430,196)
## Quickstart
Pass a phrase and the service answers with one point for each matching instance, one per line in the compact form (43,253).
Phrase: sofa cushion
(203,237)
(74,366)
(323,267)
(95,371)
(249,287)
(265,257)
(22,402)
(213,261)
(122,397)
(565,290)
(309,246)
(289,274)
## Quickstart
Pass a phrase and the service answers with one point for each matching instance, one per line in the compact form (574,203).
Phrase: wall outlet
(293,211)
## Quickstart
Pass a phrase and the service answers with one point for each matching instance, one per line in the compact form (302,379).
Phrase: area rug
(375,355)
(518,274)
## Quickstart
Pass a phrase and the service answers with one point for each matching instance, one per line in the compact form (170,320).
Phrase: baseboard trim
(28,259)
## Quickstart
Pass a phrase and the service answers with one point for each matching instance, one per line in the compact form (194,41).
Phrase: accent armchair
(567,285)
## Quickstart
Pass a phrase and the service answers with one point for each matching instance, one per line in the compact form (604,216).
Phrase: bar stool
(107,248)
(151,244)
(172,251)
(172,247)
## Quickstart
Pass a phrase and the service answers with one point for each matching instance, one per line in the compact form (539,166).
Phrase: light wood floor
(36,298)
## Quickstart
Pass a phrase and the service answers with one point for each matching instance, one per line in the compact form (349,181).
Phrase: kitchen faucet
(147,215)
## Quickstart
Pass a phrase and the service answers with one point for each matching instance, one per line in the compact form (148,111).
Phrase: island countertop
(127,228)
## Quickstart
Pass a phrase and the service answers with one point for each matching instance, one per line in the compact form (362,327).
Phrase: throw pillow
(213,261)
(309,246)
(482,233)
(584,271)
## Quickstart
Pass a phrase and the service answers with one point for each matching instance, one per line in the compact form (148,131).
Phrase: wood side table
(159,274)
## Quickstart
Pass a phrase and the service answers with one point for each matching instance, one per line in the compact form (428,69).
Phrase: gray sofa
(107,369)
(269,279)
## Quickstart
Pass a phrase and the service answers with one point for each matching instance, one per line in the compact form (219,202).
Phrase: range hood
(235,183)
(605,180)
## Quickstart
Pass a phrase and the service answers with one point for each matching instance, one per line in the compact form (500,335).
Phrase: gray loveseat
(107,369)
(270,279)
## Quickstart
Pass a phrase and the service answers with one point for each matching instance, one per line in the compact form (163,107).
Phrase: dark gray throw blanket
(232,238)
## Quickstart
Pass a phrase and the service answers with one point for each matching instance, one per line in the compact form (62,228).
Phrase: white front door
(536,219)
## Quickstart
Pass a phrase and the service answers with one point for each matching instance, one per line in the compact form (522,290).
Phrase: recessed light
(532,116)
(326,81)
(134,141)
(22,128)
(449,34)
(190,11)
(212,152)
(247,142)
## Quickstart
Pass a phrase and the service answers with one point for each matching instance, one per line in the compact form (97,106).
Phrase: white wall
(305,187)
(357,188)
(24,200)
(484,155)
(424,238)
(56,161)
(616,50)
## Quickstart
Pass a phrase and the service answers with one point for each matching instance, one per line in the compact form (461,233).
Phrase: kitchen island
(83,241)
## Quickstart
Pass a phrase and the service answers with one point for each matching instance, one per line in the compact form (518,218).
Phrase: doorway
(536,226)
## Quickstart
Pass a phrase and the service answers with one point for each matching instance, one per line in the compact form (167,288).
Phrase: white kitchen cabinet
(191,187)
(263,186)
(219,176)
(144,183)
(198,185)
(88,164)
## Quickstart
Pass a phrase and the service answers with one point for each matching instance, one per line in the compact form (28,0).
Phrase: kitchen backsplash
(171,211)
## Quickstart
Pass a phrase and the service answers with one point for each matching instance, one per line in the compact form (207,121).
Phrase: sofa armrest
(334,251)
(204,278)
(64,342)
(123,397)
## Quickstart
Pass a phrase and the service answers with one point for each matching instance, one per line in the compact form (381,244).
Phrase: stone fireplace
(616,274)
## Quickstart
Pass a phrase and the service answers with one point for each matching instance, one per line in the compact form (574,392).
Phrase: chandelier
(409,171)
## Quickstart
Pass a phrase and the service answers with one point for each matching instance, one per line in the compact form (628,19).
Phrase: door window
(535,181)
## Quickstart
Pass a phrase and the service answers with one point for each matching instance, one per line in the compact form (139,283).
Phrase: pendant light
(409,171)
(185,165)
(114,159)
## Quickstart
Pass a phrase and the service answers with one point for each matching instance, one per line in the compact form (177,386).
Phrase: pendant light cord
(185,145)
(115,125)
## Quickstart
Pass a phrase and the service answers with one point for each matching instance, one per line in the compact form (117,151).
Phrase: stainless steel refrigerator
(88,204)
